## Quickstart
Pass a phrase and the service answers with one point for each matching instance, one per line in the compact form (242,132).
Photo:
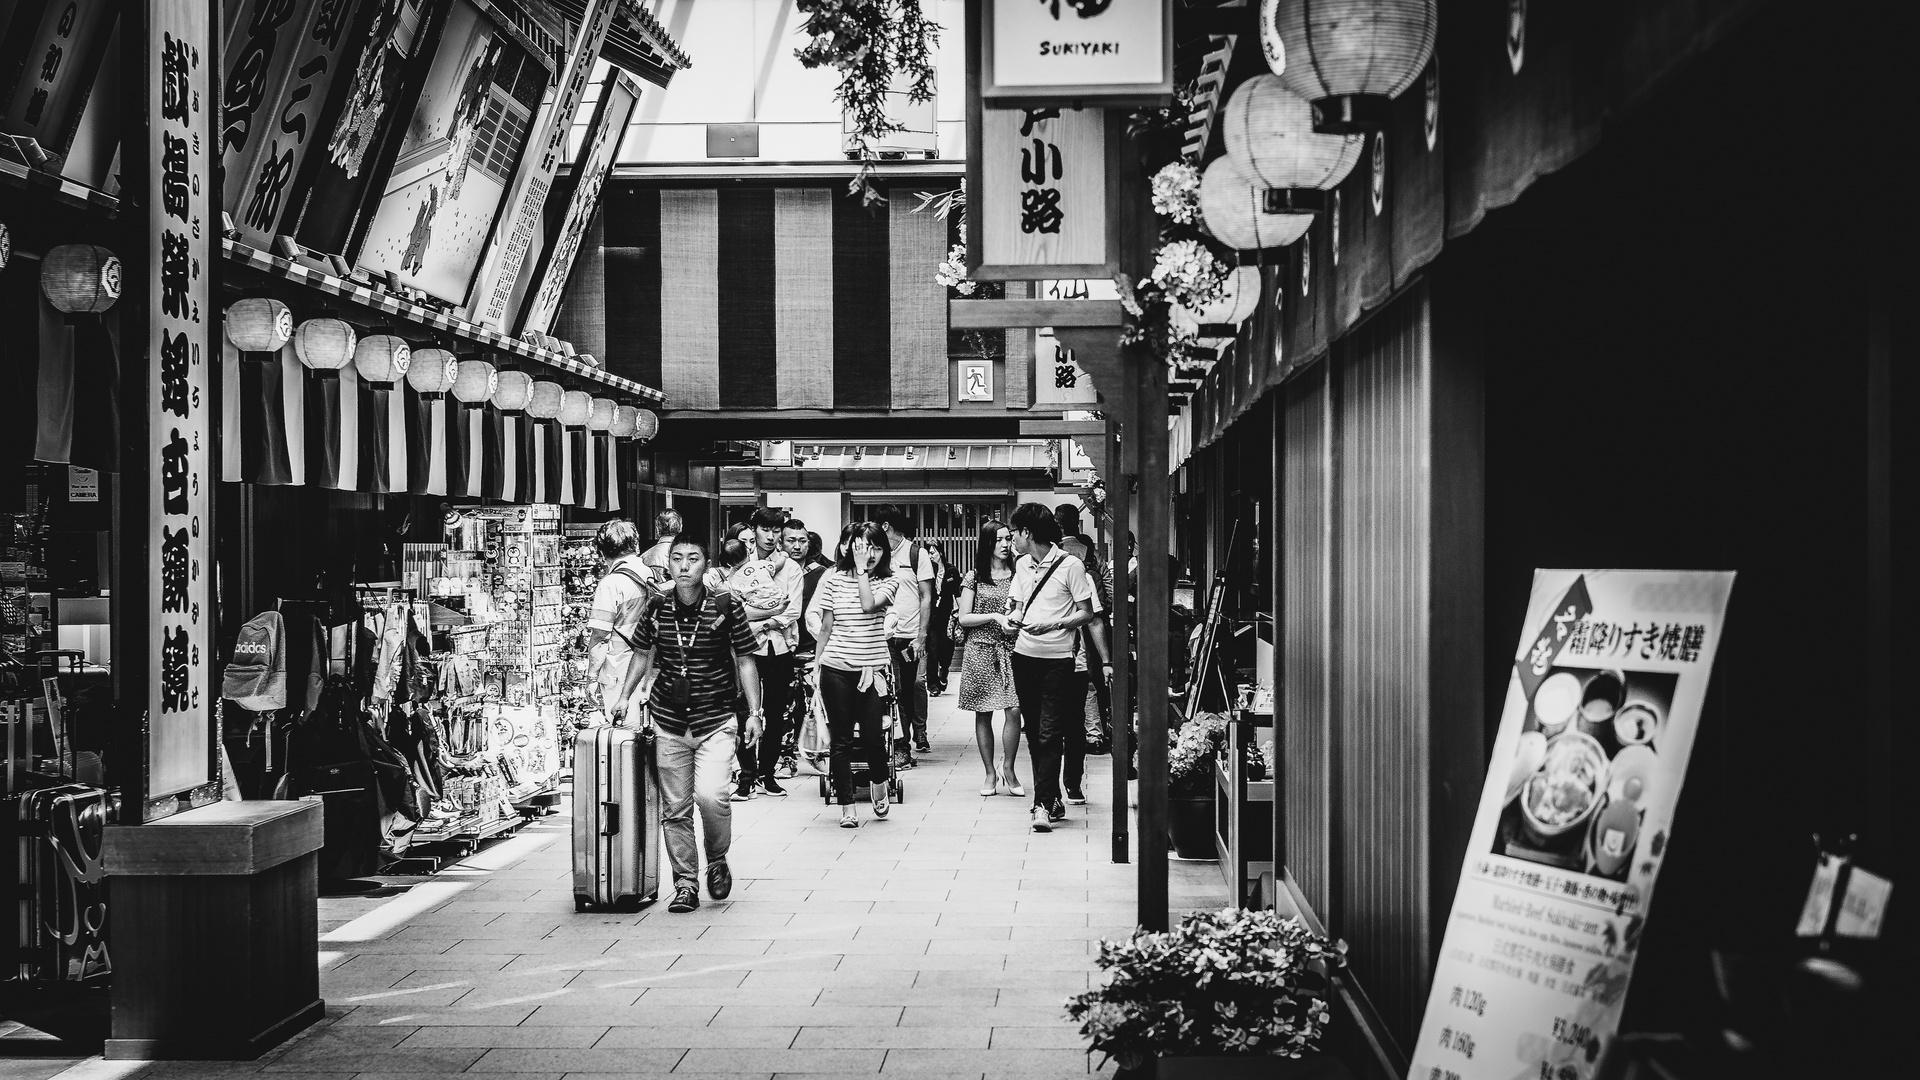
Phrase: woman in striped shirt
(853,663)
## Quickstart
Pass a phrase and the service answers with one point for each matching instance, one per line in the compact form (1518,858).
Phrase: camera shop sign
(1094,52)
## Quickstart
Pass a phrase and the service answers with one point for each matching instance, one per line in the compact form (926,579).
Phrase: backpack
(256,677)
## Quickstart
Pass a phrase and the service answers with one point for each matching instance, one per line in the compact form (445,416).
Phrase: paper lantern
(6,246)
(1269,134)
(431,372)
(646,424)
(325,344)
(258,324)
(475,382)
(575,407)
(600,414)
(514,390)
(81,279)
(1244,213)
(546,400)
(1237,303)
(1348,57)
(382,359)
(625,419)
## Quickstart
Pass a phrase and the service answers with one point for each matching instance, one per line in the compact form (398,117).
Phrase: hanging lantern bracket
(1352,114)
(1295,201)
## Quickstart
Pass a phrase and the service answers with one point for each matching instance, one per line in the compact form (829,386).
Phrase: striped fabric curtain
(60,379)
(426,441)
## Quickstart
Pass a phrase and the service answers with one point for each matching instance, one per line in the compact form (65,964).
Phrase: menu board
(1599,721)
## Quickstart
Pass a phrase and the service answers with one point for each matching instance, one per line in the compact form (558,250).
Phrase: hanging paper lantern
(513,392)
(1244,213)
(1237,303)
(600,414)
(625,419)
(325,344)
(81,279)
(576,406)
(1269,134)
(1348,57)
(382,359)
(646,425)
(475,382)
(546,400)
(6,246)
(258,324)
(431,372)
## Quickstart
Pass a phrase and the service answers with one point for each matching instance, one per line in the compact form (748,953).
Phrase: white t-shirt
(904,617)
(1057,600)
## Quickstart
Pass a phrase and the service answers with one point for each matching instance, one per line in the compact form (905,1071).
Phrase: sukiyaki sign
(1071,52)
(1573,823)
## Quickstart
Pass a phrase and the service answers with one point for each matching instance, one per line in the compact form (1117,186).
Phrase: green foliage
(870,43)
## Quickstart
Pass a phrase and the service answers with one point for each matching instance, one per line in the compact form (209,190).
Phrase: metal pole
(1120,640)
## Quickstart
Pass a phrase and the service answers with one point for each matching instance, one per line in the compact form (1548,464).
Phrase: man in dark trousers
(908,617)
(1051,599)
(779,638)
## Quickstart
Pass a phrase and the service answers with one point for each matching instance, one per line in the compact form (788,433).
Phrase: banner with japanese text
(1041,175)
(1573,823)
(619,96)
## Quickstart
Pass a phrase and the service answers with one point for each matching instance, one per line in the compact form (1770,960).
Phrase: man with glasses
(1051,599)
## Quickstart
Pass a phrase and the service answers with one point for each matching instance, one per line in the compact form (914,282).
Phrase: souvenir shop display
(580,575)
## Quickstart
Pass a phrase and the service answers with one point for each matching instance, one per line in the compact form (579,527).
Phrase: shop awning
(636,43)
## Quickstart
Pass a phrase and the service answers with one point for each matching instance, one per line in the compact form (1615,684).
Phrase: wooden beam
(1155,599)
(1015,314)
(1055,429)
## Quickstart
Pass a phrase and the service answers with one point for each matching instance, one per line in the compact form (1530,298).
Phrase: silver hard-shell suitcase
(616,820)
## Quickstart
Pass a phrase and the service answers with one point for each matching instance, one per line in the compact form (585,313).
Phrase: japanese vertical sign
(1599,722)
(281,59)
(50,53)
(1042,179)
(1058,379)
(513,232)
(180,315)
(610,117)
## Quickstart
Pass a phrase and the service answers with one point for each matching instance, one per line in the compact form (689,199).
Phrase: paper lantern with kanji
(646,424)
(626,419)
(431,372)
(325,344)
(474,382)
(576,406)
(258,324)
(513,392)
(1246,214)
(1269,133)
(81,279)
(382,359)
(600,414)
(546,400)
(1350,58)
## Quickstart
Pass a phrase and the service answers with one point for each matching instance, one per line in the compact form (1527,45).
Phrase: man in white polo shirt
(1051,599)
(907,624)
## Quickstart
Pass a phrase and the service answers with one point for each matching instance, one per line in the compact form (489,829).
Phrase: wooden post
(1119,641)
(1155,600)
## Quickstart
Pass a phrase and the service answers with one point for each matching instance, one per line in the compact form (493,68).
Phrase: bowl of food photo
(1565,791)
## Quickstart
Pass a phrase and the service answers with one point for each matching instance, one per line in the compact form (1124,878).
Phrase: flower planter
(1251,1067)
(1190,826)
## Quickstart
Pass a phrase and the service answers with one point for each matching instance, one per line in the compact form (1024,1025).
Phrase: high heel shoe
(991,788)
(1013,786)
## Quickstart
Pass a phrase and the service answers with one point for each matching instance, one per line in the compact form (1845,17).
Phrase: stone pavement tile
(1062,1036)
(988,961)
(1025,1063)
(452,1076)
(618,976)
(520,1037)
(809,1015)
(744,997)
(790,907)
(975,932)
(713,1035)
(943,907)
(523,982)
(389,1015)
(627,1060)
(997,1016)
(1022,931)
(1066,981)
(950,1037)
(371,963)
(1074,946)
(634,963)
(336,1059)
(1047,999)
(959,1074)
(576,997)
(719,913)
(1032,921)
(793,1060)
(854,947)
(739,943)
(418,997)
(851,976)
(523,946)
(627,1016)
(343,1038)
(818,960)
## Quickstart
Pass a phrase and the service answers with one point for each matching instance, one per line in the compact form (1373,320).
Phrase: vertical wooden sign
(618,99)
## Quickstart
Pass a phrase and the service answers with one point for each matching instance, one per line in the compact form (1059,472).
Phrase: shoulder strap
(626,571)
(1051,567)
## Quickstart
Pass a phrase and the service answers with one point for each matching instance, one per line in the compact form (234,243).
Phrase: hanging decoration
(1176,193)
(1268,130)
(626,420)
(430,375)
(646,424)
(875,45)
(474,382)
(1238,299)
(1245,214)
(258,324)
(325,344)
(382,359)
(512,394)
(81,279)
(431,372)
(83,282)
(1350,58)
(543,407)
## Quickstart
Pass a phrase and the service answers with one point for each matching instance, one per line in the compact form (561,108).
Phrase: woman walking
(986,674)
(946,590)
(853,664)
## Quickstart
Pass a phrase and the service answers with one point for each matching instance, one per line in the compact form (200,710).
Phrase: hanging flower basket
(1176,193)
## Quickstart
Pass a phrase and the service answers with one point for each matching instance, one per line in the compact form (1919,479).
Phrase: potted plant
(1190,785)
(1224,995)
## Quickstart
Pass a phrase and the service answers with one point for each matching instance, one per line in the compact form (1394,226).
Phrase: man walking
(775,655)
(908,641)
(692,637)
(666,526)
(618,601)
(1051,599)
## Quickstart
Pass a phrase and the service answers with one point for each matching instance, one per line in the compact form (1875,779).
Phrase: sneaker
(1076,796)
(923,746)
(1041,823)
(878,792)
(772,787)
(719,880)
(1058,811)
(685,899)
(743,792)
(848,819)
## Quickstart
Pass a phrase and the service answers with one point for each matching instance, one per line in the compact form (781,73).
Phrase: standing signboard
(513,233)
(1600,717)
(1097,52)
(618,99)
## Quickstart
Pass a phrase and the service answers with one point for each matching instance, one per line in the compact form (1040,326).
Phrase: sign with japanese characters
(180,314)
(618,98)
(1070,51)
(50,54)
(1573,824)
(281,58)
(1042,178)
(513,235)
(1058,379)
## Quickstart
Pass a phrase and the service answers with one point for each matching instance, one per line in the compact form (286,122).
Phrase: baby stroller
(896,792)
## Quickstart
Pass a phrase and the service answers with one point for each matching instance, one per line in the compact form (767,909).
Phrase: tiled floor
(940,942)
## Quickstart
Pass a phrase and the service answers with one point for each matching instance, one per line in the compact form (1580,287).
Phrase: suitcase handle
(609,819)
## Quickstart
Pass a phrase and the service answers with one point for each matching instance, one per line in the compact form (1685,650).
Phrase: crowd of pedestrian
(719,649)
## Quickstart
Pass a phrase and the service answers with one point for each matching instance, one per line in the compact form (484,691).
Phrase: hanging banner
(1058,379)
(1599,722)
(618,99)
(282,58)
(180,150)
(1042,178)
(1103,52)
(50,55)
(513,233)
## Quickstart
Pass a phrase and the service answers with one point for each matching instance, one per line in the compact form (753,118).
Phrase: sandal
(878,793)
(848,819)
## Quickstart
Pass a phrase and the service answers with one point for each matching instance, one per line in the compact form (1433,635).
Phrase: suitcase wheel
(897,790)
(581,903)
(826,793)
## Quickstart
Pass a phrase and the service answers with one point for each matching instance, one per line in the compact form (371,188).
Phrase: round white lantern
(545,403)
(1238,301)
(646,424)
(626,419)
(431,372)
(1245,214)
(325,344)
(258,324)
(600,414)
(1348,57)
(576,406)
(474,382)
(1269,133)
(513,392)
(382,359)
(81,279)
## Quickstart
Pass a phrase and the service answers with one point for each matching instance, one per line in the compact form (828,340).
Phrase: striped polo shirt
(859,638)
(701,642)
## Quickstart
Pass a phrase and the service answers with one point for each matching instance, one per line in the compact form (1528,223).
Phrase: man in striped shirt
(700,642)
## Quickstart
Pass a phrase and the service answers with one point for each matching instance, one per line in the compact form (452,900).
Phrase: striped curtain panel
(776,298)
(59,378)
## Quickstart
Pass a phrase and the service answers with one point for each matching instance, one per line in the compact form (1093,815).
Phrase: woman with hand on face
(986,675)
(852,664)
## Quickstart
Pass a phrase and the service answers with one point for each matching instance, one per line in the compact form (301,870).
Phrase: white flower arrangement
(1176,193)
(952,273)
(1189,274)
(1190,751)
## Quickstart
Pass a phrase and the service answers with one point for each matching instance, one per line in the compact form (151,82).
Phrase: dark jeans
(776,694)
(1050,713)
(908,691)
(939,653)
(853,715)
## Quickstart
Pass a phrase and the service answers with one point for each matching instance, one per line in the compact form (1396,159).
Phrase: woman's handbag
(810,746)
